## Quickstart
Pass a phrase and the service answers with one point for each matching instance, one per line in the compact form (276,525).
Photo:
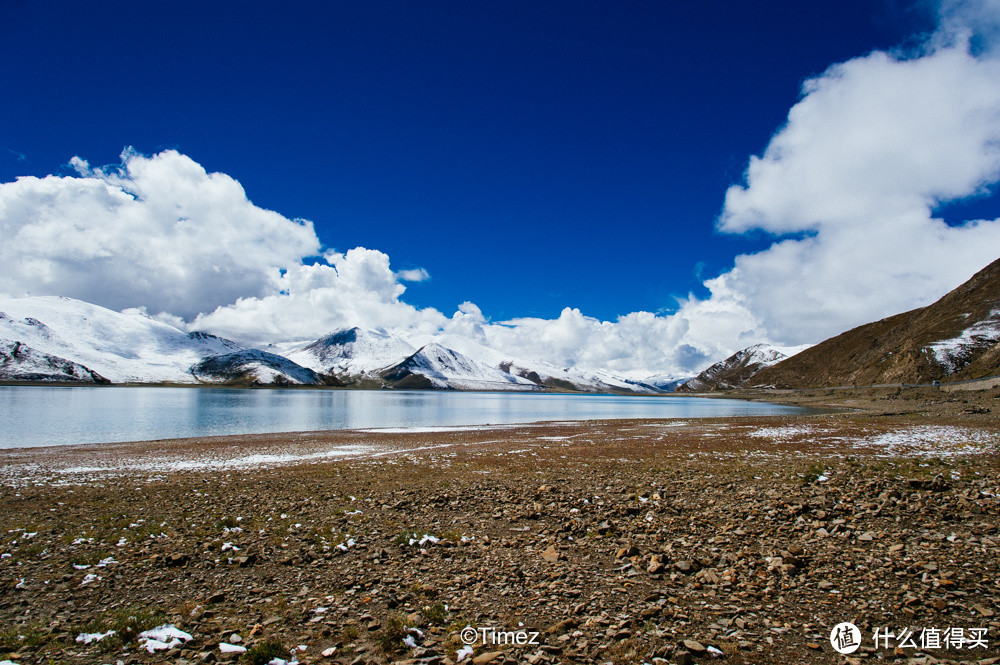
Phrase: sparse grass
(625,652)
(265,652)
(127,622)
(391,638)
(349,633)
(28,636)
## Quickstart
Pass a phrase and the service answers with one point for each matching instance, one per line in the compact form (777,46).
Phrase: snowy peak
(738,369)
(435,366)
(352,352)
(49,339)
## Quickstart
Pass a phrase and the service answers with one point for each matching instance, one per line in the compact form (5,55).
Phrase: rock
(684,566)
(561,627)
(694,646)
(487,657)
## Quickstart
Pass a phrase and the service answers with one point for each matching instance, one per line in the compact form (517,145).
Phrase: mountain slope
(738,369)
(20,362)
(434,366)
(121,347)
(255,368)
(955,338)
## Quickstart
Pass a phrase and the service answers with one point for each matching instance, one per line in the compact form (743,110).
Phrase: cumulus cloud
(356,288)
(157,231)
(873,147)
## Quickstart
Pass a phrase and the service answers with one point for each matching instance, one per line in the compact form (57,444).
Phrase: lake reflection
(45,416)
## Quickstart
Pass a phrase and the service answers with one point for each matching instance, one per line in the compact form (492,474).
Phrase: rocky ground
(744,540)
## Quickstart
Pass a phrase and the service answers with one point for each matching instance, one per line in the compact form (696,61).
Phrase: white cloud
(357,288)
(872,148)
(413,275)
(156,231)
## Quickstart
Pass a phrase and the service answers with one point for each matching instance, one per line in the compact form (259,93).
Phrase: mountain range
(53,339)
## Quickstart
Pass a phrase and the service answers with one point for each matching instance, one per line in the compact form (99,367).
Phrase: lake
(48,416)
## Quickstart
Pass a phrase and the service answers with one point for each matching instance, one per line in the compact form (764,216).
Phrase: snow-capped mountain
(738,369)
(61,339)
(121,347)
(434,366)
(352,352)
(254,368)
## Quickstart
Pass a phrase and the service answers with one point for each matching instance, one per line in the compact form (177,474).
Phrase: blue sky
(530,156)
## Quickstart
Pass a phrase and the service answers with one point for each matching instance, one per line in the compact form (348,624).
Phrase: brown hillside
(899,349)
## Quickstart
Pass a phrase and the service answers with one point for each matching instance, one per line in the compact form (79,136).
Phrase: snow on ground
(437,429)
(914,441)
(255,461)
(931,440)
(162,638)
(785,433)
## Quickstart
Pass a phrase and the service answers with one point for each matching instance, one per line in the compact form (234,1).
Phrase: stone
(551,554)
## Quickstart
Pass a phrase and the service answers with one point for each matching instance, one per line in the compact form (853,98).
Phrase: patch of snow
(87,638)
(162,638)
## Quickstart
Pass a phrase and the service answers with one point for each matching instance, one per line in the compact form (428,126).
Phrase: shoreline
(616,541)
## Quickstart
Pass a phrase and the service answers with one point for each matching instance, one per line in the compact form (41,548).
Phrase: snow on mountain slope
(253,367)
(434,366)
(738,369)
(540,372)
(352,352)
(121,347)
(20,362)
(957,352)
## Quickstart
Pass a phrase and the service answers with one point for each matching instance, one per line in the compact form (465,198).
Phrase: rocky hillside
(955,338)
(738,369)
(20,362)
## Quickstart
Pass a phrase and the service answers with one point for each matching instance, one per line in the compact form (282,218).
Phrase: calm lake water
(48,416)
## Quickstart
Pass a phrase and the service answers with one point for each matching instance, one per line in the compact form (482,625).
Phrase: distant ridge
(738,369)
(955,338)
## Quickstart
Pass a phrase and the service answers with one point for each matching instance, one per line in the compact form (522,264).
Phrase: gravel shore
(742,540)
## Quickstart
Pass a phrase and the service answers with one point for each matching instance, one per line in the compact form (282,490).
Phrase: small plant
(391,639)
(436,614)
(349,634)
(265,652)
